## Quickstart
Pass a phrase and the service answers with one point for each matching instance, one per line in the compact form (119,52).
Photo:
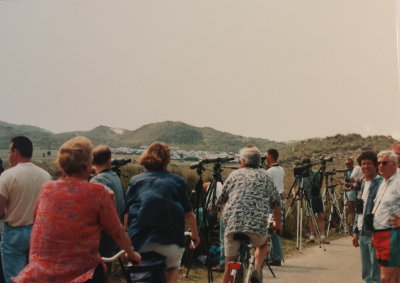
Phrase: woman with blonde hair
(158,205)
(69,216)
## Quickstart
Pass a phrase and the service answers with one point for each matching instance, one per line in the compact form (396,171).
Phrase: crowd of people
(58,230)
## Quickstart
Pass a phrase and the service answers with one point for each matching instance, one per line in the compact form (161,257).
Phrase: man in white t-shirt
(19,189)
(276,172)
(356,174)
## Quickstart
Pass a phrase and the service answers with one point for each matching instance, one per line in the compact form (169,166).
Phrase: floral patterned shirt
(250,196)
(68,218)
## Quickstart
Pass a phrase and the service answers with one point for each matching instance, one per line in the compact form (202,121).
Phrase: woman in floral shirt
(69,216)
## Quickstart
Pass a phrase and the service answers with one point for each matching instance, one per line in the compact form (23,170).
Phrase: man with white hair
(386,238)
(250,197)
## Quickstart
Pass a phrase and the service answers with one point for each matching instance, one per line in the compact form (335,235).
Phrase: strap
(387,185)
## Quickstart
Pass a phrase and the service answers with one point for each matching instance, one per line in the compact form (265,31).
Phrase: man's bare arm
(3,205)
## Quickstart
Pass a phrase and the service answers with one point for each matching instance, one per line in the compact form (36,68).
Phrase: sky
(279,70)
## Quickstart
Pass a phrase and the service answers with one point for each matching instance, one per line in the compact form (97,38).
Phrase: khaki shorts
(231,246)
(173,253)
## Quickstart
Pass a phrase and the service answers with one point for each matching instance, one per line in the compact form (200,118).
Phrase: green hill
(184,136)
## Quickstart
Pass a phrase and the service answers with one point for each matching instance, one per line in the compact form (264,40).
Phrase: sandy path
(339,263)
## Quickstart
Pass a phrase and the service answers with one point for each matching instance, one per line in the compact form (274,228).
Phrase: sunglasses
(383,163)
(348,163)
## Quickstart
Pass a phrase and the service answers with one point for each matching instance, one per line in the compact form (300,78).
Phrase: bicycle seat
(241,237)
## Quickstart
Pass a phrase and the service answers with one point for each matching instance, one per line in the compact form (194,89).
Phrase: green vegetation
(184,136)
(187,137)
(176,134)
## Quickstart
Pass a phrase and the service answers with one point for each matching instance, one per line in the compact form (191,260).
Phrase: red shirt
(68,218)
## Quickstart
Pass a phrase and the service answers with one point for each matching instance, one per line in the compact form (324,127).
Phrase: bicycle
(242,270)
(151,269)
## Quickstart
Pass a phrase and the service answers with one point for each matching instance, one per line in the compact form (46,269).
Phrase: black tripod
(206,213)
(303,202)
(332,200)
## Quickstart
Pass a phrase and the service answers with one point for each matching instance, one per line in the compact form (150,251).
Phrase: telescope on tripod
(205,209)
(117,163)
(308,183)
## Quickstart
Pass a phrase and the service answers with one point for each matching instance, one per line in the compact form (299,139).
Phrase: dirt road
(339,263)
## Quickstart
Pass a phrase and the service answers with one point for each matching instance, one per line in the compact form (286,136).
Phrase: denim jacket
(373,189)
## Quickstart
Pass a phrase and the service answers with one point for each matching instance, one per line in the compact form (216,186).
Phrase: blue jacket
(373,189)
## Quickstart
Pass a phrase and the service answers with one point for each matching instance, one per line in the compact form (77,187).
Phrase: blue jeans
(369,264)
(275,252)
(221,238)
(14,249)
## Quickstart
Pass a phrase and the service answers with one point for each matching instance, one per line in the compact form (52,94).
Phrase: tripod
(303,202)
(332,200)
(206,213)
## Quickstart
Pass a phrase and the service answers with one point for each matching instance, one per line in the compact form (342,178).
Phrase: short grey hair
(251,156)
(392,156)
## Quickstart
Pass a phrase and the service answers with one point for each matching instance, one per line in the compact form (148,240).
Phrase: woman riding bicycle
(157,205)
(69,216)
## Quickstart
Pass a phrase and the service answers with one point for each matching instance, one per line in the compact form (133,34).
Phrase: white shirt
(21,185)
(357,173)
(364,197)
(387,202)
(276,173)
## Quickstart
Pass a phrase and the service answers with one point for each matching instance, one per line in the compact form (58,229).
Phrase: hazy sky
(279,70)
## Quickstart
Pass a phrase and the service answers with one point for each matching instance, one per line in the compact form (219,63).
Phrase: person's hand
(341,182)
(134,257)
(394,221)
(355,241)
(196,240)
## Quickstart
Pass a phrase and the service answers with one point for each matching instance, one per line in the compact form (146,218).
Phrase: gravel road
(339,263)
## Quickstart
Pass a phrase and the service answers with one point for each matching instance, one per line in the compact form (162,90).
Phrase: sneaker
(325,242)
(273,262)
(310,241)
(256,277)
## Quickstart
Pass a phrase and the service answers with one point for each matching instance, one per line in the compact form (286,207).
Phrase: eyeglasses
(383,163)
(348,164)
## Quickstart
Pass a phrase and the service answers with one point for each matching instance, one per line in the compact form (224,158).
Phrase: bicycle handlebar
(120,254)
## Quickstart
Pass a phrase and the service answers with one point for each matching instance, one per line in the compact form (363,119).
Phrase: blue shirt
(112,182)
(156,203)
(351,195)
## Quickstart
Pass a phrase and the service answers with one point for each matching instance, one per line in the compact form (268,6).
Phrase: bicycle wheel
(240,275)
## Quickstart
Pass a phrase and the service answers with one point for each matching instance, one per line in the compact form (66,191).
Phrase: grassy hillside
(176,134)
(184,136)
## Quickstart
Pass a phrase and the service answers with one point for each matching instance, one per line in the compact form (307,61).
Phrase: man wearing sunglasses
(386,238)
